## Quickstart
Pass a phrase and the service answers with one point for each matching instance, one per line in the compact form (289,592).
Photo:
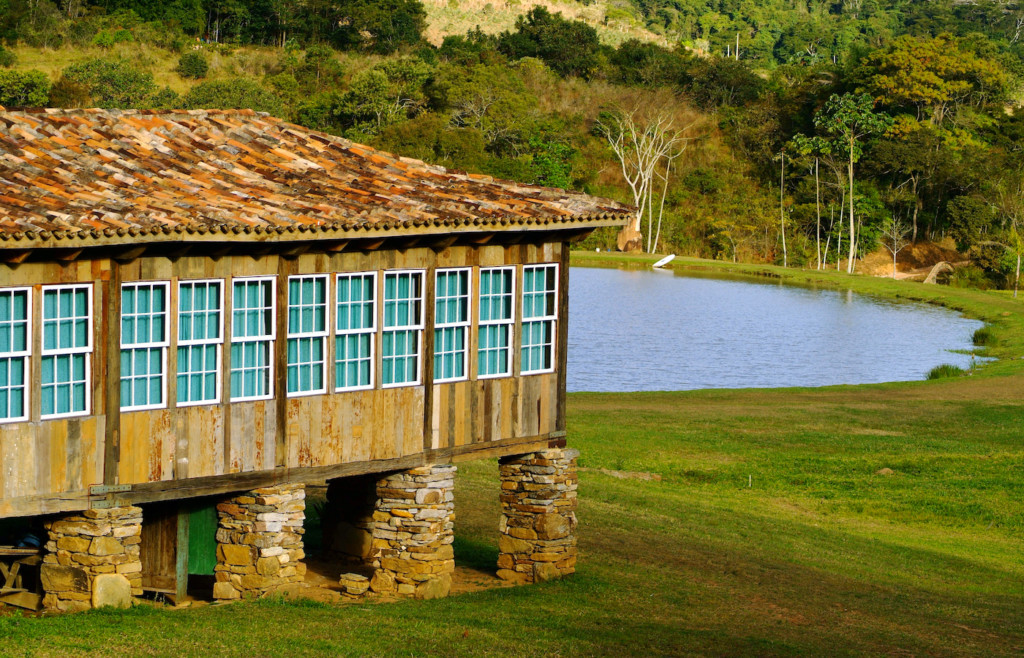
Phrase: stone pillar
(259,541)
(92,559)
(538,519)
(347,518)
(413,532)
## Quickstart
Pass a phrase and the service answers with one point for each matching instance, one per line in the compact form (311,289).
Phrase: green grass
(773,531)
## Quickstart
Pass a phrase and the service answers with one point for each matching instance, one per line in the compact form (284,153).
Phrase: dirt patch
(921,256)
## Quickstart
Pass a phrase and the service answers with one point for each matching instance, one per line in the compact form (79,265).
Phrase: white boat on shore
(664,261)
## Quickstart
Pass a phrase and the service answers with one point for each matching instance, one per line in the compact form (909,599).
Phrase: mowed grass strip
(831,521)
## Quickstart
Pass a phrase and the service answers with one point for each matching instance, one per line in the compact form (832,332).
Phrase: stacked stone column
(413,531)
(259,542)
(92,559)
(538,520)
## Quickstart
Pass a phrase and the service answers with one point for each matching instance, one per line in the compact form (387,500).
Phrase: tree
(931,76)
(568,47)
(894,238)
(814,147)
(379,26)
(849,119)
(643,138)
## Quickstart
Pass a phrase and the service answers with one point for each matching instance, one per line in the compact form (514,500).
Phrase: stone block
(236,554)
(435,588)
(105,546)
(225,591)
(111,590)
(73,544)
(56,578)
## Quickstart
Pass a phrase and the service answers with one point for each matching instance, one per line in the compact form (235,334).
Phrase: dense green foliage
(936,145)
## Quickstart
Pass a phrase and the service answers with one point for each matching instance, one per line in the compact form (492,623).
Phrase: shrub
(193,65)
(104,39)
(24,88)
(946,370)
(7,58)
(110,83)
(233,94)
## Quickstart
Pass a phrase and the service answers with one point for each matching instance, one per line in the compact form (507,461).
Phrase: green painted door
(202,540)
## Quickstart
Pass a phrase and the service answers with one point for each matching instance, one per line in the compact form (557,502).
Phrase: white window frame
(218,342)
(418,327)
(86,350)
(271,337)
(552,318)
(371,330)
(322,334)
(464,324)
(161,345)
(24,355)
(510,322)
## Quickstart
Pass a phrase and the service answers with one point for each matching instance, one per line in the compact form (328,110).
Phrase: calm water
(655,331)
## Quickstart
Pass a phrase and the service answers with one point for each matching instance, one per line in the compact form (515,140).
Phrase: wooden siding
(45,458)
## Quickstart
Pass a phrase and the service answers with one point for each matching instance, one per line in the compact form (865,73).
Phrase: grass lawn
(771,531)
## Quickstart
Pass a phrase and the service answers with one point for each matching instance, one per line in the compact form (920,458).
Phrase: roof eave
(30,240)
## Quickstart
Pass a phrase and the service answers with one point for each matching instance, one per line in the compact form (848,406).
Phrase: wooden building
(201,311)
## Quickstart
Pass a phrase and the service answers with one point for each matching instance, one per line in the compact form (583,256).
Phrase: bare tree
(894,238)
(643,139)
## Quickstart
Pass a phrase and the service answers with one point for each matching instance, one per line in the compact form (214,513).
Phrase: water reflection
(649,331)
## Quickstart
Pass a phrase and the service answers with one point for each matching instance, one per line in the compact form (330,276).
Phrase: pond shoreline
(1003,316)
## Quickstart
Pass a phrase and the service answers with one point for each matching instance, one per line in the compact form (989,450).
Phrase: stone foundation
(347,518)
(92,559)
(538,520)
(413,532)
(259,542)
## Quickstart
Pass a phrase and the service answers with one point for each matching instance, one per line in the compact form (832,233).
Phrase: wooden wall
(42,458)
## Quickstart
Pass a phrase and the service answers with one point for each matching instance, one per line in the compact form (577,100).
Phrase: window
(252,338)
(14,352)
(307,334)
(403,323)
(540,283)
(67,348)
(143,344)
(200,338)
(497,318)
(356,323)
(451,322)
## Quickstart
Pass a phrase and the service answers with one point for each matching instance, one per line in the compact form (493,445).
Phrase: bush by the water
(984,337)
(946,370)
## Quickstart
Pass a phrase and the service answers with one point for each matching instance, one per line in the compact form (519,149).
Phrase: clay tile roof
(88,175)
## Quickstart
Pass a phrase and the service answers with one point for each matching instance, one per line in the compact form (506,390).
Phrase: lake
(659,331)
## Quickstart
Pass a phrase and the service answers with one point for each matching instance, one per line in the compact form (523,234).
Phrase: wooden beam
(440,245)
(128,255)
(229,483)
(285,268)
(428,353)
(110,372)
(562,333)
(69,255)
(181,555)
(295,251)
(336,247)
(409,243)
(372,245)
(481,239)
(14,256)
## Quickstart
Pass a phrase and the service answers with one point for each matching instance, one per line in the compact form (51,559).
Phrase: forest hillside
(798,133)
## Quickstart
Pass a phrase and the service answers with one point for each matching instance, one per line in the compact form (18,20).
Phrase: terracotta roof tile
(80,172)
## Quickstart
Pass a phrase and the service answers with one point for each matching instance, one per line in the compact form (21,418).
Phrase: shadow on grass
(475,554)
